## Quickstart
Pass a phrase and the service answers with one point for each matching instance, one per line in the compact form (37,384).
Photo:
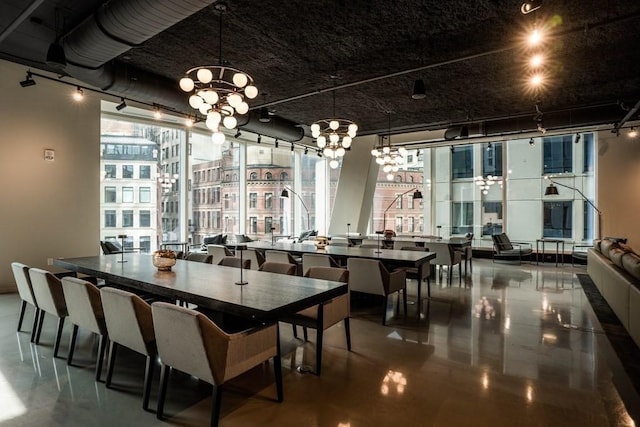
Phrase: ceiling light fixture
(265,117)
(632,133)
(157,114)
(55,54)
(259,139)
(390,158)
(28,81)
(78,95)
(532,143)
(530,6)
(419,90)
(577,139)
(486,183)
(238,134)
(189,122)
(306,150)
(219,91)
(122,105)
(334,136)
(276,143)
(489,146)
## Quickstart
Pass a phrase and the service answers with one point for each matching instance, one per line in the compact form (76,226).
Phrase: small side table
(558,243)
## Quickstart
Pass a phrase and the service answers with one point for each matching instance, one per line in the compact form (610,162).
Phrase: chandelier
(390,158)
(166,181)
(219,92)
(486,183)
(334,136)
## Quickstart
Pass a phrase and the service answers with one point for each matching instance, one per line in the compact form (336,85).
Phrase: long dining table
(265,298)
(399,258)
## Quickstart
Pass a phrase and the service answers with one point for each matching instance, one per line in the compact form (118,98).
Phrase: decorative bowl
(163,260)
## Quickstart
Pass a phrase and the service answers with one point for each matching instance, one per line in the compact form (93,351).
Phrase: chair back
(282,257)
(218,252)
(501,242)
(110,247)
(335,274)
(231,261)
(23,281)
(339,241)
(371,243)
(444,253)
(129,321)
(399,244)
(336,309)
(317,260)
(199,257)
(48,292)
(84,304)
(280,268)
(366,275)
(255,256)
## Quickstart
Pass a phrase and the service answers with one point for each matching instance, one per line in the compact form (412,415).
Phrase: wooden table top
(266,297)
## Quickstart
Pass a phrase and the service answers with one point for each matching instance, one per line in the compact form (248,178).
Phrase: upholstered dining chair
(48,292)
(199,257)
(190,342)
(218,252)
(130,324)
(231,261)
(283,257)
(280,268)
(85,310)
(412,272)
(255,256)
(371,277)
(446,256)
(333,311)
(317,260)
(25,290)
(399,244)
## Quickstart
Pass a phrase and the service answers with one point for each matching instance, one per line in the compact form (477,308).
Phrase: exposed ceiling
(299,50)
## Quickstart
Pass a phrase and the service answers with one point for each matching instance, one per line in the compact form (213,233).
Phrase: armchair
(505,249)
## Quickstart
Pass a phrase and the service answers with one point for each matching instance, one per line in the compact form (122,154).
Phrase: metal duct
(277,127)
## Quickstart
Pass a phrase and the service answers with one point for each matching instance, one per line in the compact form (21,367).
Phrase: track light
(419,90)
(238,133)
(306,150)
(122,105)
(157,113)
(489,146)
(264,115)
(259,139)
(55,56)
(276,143)
(577,138)
(292,147)
(632,133)
(28,81)
(189,122)
(530,6)
(452,150)
(78,95)
(532,143)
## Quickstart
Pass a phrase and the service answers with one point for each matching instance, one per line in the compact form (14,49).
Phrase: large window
(589,214)
(109,194)
(462,161)
(127,171)
(462,217)
(558,154)
(557,219)
(492,159)
(588,151)
(491,218)
(145,171)
(109,171)
(145,244)
(253,200)
(145,195)
(268,200)
(127,218)
(109,218)
(145,218)
(127,194)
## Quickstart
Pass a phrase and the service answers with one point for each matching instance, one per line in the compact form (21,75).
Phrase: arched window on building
(235,177)
(398,178)
(284,176)
(253,176)
(268,176)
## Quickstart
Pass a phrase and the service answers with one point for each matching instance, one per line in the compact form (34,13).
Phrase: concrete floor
(512,345)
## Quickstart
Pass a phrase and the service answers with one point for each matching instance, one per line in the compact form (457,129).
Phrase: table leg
(538,252)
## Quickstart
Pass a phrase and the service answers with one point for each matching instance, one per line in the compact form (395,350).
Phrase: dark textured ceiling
(471,50)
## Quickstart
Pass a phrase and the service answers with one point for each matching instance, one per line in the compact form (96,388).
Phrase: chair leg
(165,371)
(72,344)
(111,360)
(295,330)
(319,350)
(34,327)
(148,378)
(277,369)
(23,307)
(384,310)
(215,409)
(347,332)
(305,334)
(404,300)
(40,321)
(104,341)
(56,346)
(460,272)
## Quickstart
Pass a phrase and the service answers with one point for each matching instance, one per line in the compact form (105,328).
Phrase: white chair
(25,290)
(50,297)
(371,277)
(129,323)
(446,256)
(255,256)
(317,260)
(190,342)
(84,306)
(218,252)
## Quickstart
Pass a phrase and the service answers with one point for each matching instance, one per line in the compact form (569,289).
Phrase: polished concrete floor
(512,345)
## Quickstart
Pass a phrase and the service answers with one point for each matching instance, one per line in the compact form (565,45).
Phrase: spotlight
(78,95)
(577,138)
(28,81)
(535,37)
(532,143)
(632,133)
(536,60)
(489,146)
(259,139)
(452,150)
(189,122)
(306,150)
(157,113)
(536,80)
(530,6)
(419,90)
(238,133)
(292,147)
(264,115)
(276,143)
(122,105)
(319,153)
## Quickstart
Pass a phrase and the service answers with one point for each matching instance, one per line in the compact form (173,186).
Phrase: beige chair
(280,268)
(190,342)
(399,244)
(466,251)
(255,256)
(283,257)
(48,292)
(85,310)
(218,252)
(25,290)
(446,256)
(317,260)
(199,257)
(323,317)
(339,241)
(372,244)
(371,277)
(129,323)
(231,261)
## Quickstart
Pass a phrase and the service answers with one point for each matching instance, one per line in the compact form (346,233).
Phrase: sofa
(615,269)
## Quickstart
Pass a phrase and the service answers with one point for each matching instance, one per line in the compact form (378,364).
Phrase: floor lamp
(417,195)
(285,195)
(552,190)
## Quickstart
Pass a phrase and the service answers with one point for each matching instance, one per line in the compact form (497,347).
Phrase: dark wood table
(266,298)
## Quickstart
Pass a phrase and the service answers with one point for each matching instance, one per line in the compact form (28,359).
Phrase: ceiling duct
(276,127)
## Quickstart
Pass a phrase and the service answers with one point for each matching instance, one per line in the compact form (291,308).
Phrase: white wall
(47,209)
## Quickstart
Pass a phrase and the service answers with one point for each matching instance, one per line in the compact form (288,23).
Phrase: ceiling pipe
(20,19)
(276,127)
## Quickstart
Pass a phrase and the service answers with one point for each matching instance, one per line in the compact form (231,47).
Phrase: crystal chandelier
(390,158)
(218,91)
(334,136)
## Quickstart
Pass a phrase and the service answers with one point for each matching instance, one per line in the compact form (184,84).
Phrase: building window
(109,171)
(253,200)
(411,224)
(145,244)
(253,225)
(284,176)
(399,201)
(557,219)
(491,218)
(462,218)
(268,200)
(398,224)
(127,194)
(398,178)
(109,194)
(145,195)
(253,176)
(462,162)
(268,224)
(109,218)
(558,154)
(226,201)
(410,202)
(588,150)
(127,171)
(145,172)
(589,214)
(268,176)
(492,159)
(127,218)
(145,218)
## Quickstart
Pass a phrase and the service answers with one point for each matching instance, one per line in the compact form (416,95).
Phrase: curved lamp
(552,190)
(417,195)
(285,195)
